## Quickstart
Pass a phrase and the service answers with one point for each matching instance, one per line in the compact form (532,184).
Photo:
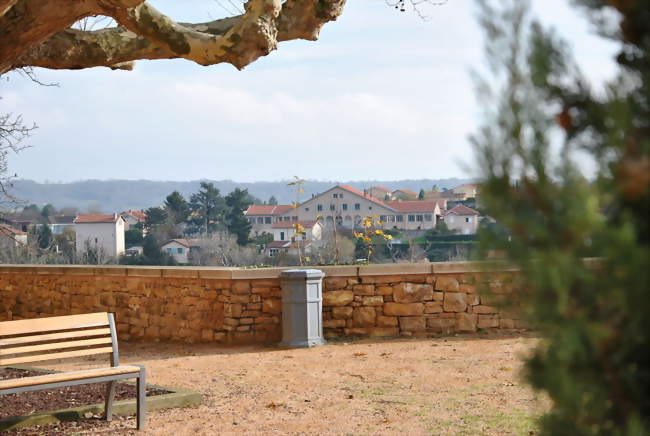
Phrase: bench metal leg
(142,399)
(108,404)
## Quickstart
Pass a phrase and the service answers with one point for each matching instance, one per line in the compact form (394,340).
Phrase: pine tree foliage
(541,121)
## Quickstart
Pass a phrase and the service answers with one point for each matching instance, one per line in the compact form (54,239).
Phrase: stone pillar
(302,307)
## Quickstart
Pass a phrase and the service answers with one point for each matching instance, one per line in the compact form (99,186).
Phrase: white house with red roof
(469,190)
(133,217)
(101,231)
(347,206)
(462,219)
(292,236)
(262,216)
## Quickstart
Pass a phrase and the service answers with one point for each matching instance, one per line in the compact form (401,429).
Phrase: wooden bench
(63,337)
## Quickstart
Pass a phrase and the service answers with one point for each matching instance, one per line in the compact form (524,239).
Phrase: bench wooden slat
(55,336)
(54,346)
(50,356)
(53,323)
(67,376)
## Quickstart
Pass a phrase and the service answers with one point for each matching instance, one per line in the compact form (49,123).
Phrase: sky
(381,95)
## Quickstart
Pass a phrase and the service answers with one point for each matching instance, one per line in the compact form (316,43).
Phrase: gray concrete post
(302,307)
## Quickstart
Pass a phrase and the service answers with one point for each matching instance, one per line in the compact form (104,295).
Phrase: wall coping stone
(259,273)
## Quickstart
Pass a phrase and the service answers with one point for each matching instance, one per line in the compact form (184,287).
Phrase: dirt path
(447,386)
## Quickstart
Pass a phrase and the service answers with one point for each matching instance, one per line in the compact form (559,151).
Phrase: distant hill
(118,195)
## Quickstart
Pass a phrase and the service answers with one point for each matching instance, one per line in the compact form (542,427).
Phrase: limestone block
(251,313)
(243,328)
(432,307)
(384,290)
(254,306)
(233,310)
(438,296)
(445,283)
(364,289)
(334,323)
(334,282)
(438,324)
(466,322)
(412,292)
(272,305)
(403,309)
(469,289)
(207,335)
(387,321)
(240,299)
(412,323)
(241,287)
(341,312)
(488,321)
(382,332)
(337,298)
(245,321)
(364,316)
(355,331)
(484,309)
(455,302)
(375,300)
(506,323)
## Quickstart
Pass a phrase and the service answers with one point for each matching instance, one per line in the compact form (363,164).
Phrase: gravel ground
(463,385)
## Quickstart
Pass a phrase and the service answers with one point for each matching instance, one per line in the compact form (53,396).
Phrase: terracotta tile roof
(98,218)
(462,210)
(414,205)
(278,244)
(407,192)
(366,196)
(264,209)
(290,224)
(10,231)
(138,214)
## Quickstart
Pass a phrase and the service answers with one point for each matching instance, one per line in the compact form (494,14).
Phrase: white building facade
(104,232)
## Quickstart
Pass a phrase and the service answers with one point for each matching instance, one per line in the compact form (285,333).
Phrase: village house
(379,192)
(469,190)
(462,219)
(180,249)
(347,206)
(100,231)
(262,217)
(11,238)
(133,218)
(403,194)
(290,237)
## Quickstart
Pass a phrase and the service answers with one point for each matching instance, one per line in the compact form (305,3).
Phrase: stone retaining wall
(230,305)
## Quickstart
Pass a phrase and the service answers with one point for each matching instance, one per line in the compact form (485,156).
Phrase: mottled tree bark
(38,33)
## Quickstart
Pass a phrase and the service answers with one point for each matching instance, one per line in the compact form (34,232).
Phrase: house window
(339,220)
(382,218)
(96,241)
(335,195)
(411,218)
(287,218)
(369,207)
(357,206)
(267,220)
(428,217)
(306,209)
(468,219)
(179,250)
(294,218)
(345,206)
(419,218)
(273,252)
(319,208)
(399,218)
(169,250)
(332,207)
(282,236)
(304,237)
(260,220)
